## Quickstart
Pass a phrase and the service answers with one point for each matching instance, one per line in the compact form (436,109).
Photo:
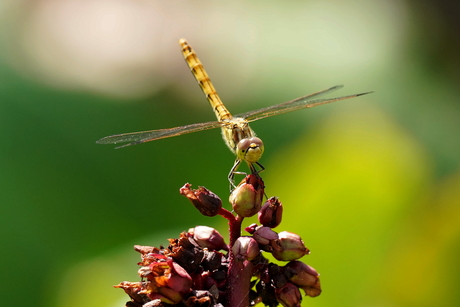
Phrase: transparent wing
(152,135)
(296,104)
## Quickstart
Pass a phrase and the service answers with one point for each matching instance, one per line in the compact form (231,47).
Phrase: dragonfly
(237,134)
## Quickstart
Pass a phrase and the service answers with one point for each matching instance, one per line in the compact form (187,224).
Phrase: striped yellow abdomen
(205,83)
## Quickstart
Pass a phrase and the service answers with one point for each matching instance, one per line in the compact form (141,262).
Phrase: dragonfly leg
(253,168)
(233,172)
(256,172)
(231,175)
(262,168)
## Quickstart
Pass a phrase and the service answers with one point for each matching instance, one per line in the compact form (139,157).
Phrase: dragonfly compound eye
(250,150)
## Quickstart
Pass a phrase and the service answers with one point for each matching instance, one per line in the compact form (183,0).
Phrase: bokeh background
(371,184)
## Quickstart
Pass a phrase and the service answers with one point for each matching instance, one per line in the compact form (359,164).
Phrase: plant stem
(234,224)
(239,282)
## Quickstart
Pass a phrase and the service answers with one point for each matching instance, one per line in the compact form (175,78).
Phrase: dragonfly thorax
(234,130)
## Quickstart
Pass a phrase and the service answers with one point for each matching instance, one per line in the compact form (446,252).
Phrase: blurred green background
(371,184)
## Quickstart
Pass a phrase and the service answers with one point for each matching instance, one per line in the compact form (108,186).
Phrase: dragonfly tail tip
(365,93)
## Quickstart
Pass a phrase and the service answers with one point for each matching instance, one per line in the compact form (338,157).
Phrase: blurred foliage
(372,185)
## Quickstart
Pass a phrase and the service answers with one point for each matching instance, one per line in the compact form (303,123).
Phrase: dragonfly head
(250,149)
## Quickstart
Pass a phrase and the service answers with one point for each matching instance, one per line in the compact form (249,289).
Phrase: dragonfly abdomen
(204,81)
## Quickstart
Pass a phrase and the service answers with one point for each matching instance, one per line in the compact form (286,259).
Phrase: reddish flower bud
(204,200)
(288,295)
(304,276)
(179,280)
(208,237)
(251,228)
(288,247)
(167,280)
(265,235)
(246,199)
(245,248)
(271,213)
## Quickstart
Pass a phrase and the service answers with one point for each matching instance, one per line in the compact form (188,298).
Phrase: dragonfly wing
(251,114)
(296,104)
(147,136)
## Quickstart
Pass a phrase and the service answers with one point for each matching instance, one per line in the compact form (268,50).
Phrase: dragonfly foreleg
(233,172)
(231,175)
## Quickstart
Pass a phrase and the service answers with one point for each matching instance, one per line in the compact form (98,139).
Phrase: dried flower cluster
(200,269)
